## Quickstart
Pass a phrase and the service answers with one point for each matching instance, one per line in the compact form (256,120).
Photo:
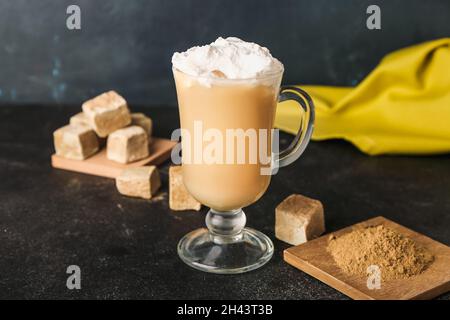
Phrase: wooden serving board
(99,165)
(312,257)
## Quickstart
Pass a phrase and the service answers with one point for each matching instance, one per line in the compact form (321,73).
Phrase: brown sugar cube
(141,120)
(107,113)
(299,219)
(81,119)
(141,182)
(75,142)
(127,145)
(179,198)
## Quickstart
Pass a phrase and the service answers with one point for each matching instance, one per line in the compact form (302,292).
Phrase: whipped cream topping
(230,58)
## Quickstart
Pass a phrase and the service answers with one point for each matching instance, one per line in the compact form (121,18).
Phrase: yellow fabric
(402,107)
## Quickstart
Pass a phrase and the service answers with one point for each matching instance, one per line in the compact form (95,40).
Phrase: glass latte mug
(228,155)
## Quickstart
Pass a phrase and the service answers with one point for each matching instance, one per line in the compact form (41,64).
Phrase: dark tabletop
(126,248)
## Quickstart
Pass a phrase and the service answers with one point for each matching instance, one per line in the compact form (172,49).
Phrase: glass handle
(301,140)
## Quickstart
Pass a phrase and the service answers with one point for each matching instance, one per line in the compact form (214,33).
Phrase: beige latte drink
(230,86)
(227,96)
(227,107)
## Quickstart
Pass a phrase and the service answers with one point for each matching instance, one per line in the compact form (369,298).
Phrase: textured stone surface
(141,182)
(75,142)
(299,219)
(127,247)
(179,198)
(127,145)
(107,113)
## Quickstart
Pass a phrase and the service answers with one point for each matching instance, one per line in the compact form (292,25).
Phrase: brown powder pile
(397,256)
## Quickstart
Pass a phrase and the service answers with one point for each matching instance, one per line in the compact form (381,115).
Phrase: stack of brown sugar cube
(106,120)
(106,116)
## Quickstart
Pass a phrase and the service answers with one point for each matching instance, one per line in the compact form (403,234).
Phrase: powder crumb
(159,197)
(397,256)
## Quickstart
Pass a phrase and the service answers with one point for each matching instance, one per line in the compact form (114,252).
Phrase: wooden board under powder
(99,165)
(312,257)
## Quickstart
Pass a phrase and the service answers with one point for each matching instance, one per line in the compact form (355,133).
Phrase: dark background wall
(127,44)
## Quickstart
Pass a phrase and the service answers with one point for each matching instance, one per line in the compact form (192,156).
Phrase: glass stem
(225,226)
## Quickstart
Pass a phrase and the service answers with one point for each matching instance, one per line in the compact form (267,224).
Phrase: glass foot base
(248,250)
